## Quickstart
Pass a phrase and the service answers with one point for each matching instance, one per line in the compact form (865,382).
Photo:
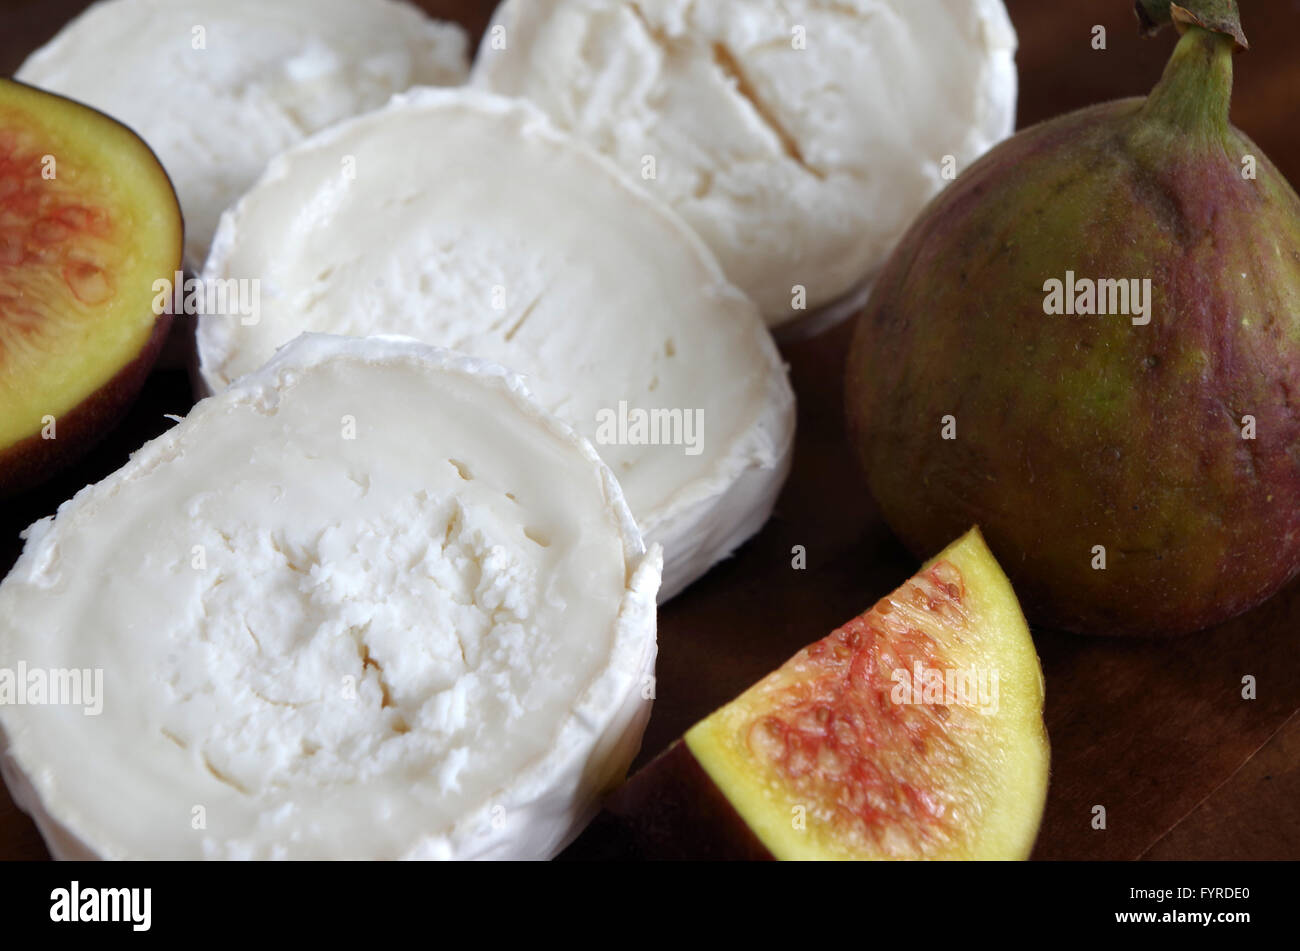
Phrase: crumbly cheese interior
(217,87)
(328,644)
(798,138)
(462,220)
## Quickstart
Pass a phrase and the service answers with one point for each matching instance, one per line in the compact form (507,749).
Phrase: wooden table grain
(1157,732)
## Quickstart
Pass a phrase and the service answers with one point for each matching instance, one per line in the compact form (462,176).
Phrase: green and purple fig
(1089,344)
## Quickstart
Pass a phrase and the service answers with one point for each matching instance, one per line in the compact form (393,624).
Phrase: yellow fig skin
(1133,478)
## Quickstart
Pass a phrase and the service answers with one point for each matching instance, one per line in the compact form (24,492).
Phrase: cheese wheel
(370,602)
(798,138)
(467,221)
(218,87)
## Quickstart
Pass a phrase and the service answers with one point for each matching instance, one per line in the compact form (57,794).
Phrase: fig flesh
(914,731)
(88,223)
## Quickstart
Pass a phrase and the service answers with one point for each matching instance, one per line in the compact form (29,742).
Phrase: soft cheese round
(798,138)
(217,87)
(370,602)
(467,221)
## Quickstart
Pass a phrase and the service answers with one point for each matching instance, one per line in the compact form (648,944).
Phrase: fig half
(88,223)
(914,731)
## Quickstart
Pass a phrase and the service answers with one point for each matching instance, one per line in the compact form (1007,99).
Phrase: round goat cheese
(467,221)
(798,138)
(369,602)
(217,87)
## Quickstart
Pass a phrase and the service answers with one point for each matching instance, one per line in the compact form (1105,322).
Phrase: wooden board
(1156,732)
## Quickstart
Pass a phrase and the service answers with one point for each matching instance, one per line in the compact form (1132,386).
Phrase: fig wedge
(88,223)
(915,731)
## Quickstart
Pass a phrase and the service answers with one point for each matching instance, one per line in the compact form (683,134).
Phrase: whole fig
(1089,345)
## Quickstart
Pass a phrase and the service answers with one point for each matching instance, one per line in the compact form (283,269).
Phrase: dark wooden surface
(1156,732)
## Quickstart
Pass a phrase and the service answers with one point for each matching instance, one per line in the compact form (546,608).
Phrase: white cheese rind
(218,87)
(798,138)
(467,220)
(494,698)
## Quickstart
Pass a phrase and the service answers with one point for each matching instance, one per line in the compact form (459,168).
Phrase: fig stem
(1217,16)
(1195,92)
